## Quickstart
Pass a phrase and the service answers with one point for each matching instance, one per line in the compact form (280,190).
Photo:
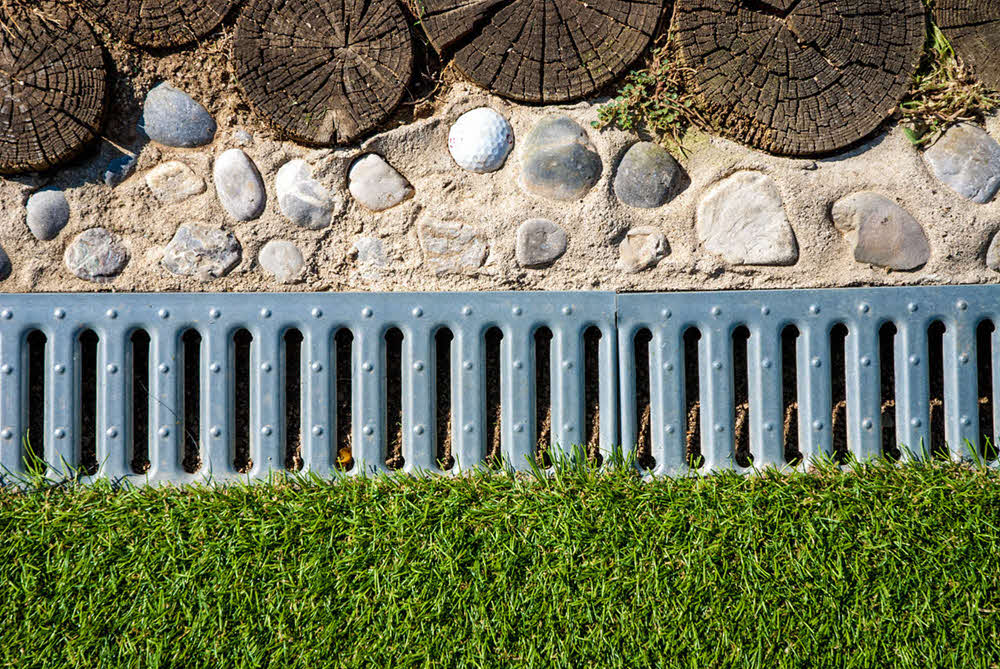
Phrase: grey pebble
(239,185)
(281,259)
(539,243)
(5,267)
(967,160)
(201,251)
(881,232)
(646,176)
(171,117)
(47,213)
(96,255)
(558,160)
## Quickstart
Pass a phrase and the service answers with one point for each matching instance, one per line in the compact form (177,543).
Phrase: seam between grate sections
(418,316)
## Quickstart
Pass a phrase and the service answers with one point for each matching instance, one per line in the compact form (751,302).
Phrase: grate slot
(88,344)
(191,399)
(517,405)
(240,367)
(419,401)
(607,374)
(986,436)
(292,379)
(862,367)
(469,370)
(636,385)
(444,352)
(765,394)
(267,401)
(342,450)
(140,399)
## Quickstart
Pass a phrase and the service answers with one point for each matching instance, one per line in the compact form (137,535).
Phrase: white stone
(201,251)
(642,248)
(173,182)
(452,247)
(742,219)
(282,259)
(480,140)
(302,199)
(370,252)
(239,185)
(376,184)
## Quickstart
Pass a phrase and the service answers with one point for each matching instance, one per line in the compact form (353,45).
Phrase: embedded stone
(119,170)
(96,255)
(302,199)
(742,219)
(171,117)
(558,160)
(376,184)
(201,251)
(282,259)
(451,247)
(370,252)
(993,254)
(646,176)
(881,232)
(642,248)
(242,138)
(967,160)
(173,182)
(239,185)
(539,243)
(5,267)
(47,213)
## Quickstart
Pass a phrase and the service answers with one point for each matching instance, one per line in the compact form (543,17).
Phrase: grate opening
(293,399)
(692,397)
(241,345)
(343,361)
(741,396)
(88,343)
(938,446)
(493,340)
(887,368)
(543,396)
(443,340)
(34,408)
(643,409)
(984,373)
(191,413)
(838,392)
(139,400)
(592,393)
(394,399)
(789,394)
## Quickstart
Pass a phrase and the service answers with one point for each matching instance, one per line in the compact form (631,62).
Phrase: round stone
(201,251)
(239,185)
(173,182)
(47,213)
(480,140)
(96,255)
(5,266)
(302,199)
(881,232)
(281,259)
(539,243)
(171,117)
(646,176)
(967,160)
(558,161)
(376,184)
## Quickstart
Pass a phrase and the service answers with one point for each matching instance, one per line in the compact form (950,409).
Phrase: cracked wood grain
(973,27)
(159,23)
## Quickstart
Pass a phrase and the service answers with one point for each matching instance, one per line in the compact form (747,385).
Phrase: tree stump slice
(323,72)
(973,27)
(159,23)
(541,50)
(800,77)
(53,89)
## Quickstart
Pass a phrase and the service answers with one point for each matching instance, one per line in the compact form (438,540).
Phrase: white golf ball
(480,140)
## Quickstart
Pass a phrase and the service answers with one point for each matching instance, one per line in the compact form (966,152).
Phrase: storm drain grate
(181,388)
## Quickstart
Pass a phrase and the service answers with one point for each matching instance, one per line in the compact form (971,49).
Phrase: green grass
(886,566)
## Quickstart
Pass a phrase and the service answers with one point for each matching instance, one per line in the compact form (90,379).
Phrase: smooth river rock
(47,214)
(642,248)
(558,161)
(201,251)
(881,232)
(539,243)
(967,160)
(376,184)
(96,255)
(302,199)
(646,176)
(172,118)
(239,185)
(174,182)
(281,259)
(742,218)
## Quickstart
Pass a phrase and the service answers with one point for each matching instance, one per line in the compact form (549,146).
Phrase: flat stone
(967,160)
(118,170)
(302,199)
(370,252)
(172,118)
(642,248)
(173,182)
(282,259)
(881,232)
(239,185)
(539,243)
(376,184)
(201,251)
(742,218)
(5,267)
(558,160)
(47,213)
(96,255)
(646,176)
(451,247)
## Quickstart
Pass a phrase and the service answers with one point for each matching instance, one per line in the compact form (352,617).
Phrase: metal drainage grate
(183,387)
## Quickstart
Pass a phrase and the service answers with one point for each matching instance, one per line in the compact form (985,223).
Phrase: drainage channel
(187,387)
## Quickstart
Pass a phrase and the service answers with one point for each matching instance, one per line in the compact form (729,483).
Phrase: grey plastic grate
(318,317)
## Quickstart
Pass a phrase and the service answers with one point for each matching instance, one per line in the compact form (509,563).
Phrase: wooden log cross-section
(323,72)
(158,23)
(973,27)
(800,77)
(52,88)
(541,50)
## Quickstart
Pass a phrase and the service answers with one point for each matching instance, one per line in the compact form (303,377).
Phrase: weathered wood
(799,77)
(541,50)
(323,71)
(973,27)
(52,88)
(159,23)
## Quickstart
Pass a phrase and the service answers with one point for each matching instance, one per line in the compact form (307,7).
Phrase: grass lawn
(888,566)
